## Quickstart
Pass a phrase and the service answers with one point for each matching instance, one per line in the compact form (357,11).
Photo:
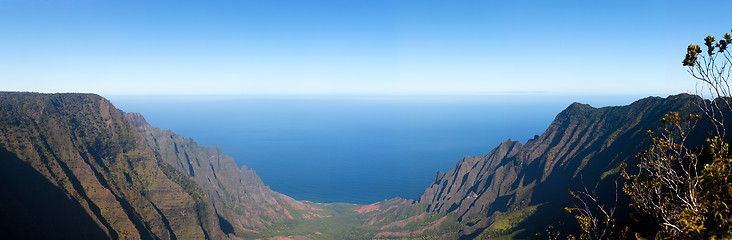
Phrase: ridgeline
(73,166)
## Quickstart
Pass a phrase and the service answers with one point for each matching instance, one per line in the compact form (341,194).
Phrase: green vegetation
(344,224)
(610,172)
(505,225)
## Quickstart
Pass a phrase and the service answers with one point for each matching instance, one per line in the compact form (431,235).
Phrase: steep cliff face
(582,146)
(238,194)
(474,180)
(96,176)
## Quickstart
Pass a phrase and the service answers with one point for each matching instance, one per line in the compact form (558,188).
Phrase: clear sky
(352,47)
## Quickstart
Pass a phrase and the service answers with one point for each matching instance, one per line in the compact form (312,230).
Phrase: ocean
(355,149)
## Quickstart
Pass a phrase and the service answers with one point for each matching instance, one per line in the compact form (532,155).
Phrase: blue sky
(352,47)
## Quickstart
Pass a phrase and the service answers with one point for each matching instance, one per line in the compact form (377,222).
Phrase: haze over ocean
(262,66)
(355,149)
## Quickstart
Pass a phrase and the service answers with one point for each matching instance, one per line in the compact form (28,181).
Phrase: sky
(352,47)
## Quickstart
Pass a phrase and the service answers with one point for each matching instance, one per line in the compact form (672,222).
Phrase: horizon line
(371,94)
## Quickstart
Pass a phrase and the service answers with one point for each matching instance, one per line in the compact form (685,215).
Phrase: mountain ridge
(122,178)
(84,147)
(238,194)
(580,146)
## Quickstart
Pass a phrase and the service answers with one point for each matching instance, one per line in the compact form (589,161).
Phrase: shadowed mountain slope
(73,167)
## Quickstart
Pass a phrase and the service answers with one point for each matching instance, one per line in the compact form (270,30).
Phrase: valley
(132,180)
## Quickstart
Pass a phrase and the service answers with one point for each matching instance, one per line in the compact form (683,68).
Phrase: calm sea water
(356,149)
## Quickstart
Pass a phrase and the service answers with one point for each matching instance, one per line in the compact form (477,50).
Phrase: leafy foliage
(596,219)
(685,191)
(715,180)
(686,198)
(667,185)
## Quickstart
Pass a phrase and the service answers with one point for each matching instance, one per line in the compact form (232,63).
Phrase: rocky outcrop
(96,175)
(239,196)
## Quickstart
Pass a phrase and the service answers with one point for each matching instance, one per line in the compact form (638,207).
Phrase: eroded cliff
(98,168)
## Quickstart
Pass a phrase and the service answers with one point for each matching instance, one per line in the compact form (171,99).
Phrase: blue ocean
(355,149)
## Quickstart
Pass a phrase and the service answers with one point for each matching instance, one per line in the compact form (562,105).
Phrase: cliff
(239,196)
(74,167)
